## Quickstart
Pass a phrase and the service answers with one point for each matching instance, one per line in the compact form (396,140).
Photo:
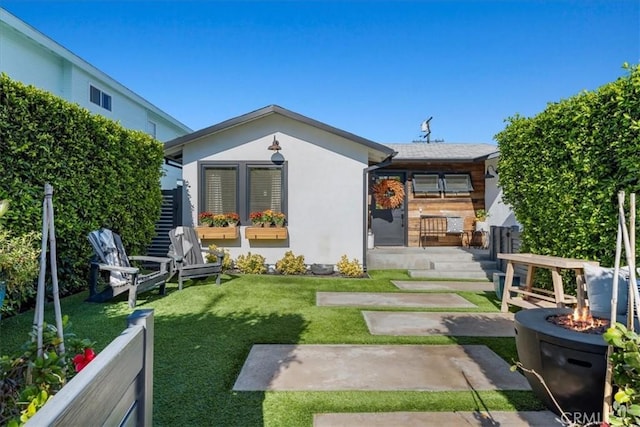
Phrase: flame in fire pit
(581,320)
(582,315)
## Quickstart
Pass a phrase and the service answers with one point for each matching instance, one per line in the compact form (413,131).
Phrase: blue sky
(373,68)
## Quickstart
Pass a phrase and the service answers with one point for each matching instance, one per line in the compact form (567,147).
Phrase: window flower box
(217,233)
(266,233)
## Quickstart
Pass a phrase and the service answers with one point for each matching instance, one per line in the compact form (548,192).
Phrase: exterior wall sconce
(488,174)
(277,158)
(275,145)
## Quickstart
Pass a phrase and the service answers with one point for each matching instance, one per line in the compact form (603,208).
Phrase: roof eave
(176,145)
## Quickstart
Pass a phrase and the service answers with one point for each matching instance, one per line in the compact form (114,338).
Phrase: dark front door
(388,224)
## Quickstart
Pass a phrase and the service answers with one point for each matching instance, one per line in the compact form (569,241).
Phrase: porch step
(454,274)
(464,265)
(435,262)
(422,258)
(391,261)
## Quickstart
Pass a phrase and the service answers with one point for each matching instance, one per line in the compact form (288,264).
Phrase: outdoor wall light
(488,174)
(275,145)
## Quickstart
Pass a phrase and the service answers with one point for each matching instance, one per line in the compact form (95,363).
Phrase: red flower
(81,360)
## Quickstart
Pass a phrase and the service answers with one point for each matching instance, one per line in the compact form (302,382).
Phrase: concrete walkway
(438,419)
(376,367)
(392,299)
(451,324)
(281,367)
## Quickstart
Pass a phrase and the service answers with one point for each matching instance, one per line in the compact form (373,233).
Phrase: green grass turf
(204,333)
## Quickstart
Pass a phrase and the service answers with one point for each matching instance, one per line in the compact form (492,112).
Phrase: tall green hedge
(562,169)
(103,175)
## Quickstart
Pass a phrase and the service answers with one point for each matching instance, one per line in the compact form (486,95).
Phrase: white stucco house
(321,178)
(29,56)
(318,178)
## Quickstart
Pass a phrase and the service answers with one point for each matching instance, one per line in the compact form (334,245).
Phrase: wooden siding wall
(443,205)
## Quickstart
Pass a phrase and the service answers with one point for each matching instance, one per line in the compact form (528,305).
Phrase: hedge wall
(562,169)
(103,175)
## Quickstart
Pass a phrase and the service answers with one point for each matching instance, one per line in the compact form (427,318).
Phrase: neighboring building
(28,56)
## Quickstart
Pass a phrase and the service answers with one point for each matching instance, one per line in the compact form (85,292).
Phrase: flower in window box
(256,218)
(219,220)
(232,219)
(267,217)
(206,218)
(279,218)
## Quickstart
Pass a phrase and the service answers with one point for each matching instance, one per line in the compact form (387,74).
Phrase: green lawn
(204,333)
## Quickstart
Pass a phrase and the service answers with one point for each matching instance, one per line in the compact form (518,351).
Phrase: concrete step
(398,261)
(453,274)
(422,259)
(464,265)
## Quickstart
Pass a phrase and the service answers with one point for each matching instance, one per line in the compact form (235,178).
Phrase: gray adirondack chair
(186,252)
(110,257)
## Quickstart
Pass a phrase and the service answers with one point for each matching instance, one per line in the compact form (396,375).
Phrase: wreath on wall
(389,193)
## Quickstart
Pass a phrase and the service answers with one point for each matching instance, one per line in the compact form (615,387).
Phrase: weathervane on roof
(426,129)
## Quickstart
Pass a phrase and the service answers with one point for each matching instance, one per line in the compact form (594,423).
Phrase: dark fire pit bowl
(573,364)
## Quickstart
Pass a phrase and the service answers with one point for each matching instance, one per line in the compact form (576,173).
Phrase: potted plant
(219,220)
(267,218)
(481,220)
(256,218)
(206,219)
(232,219)
(279,218)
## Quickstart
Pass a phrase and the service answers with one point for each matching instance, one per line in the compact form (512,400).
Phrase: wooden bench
(528,296)
(435,226)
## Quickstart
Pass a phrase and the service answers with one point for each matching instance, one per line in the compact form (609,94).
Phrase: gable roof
(173,148)
(421,151)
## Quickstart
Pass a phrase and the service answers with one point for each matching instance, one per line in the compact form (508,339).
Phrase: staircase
(436,262)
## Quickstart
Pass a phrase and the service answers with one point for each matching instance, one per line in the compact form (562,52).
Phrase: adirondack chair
(186,252)
(111,258)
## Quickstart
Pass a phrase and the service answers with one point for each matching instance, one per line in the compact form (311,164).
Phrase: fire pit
(570,354)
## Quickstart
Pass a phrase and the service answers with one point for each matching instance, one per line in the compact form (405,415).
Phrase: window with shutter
(426,184)
(221,190)
(242,187)
(457,184)
(265,189)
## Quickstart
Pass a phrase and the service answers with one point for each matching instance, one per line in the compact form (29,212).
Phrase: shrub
(349,268)
(562,169)
(251,264)
(291,264)
(103,175)
(227,262)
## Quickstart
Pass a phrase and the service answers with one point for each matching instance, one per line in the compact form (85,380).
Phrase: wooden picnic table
(529,297)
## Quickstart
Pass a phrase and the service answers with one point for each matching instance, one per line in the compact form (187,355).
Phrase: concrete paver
(391,299)
(442,286)
(376,367)
(451,324)
(438,419)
